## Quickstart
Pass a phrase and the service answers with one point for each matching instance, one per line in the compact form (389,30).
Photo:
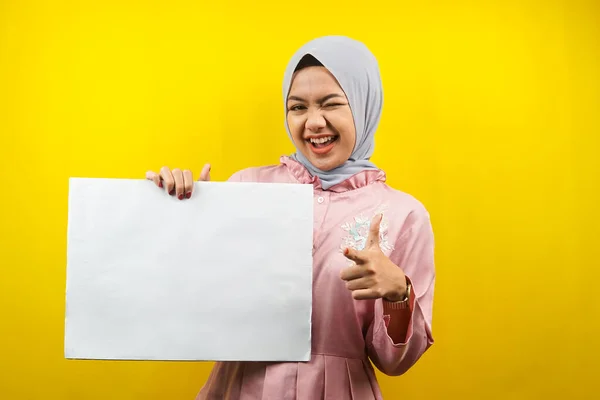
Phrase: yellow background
(491,118)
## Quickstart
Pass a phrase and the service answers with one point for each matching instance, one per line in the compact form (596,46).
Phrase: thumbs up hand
(374,275)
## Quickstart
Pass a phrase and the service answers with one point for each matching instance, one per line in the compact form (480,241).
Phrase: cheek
(344,124)
(295,125)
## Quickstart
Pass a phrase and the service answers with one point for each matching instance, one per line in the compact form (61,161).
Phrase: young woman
(373,250)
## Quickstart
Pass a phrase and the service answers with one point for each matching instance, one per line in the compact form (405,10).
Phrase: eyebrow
(320,101)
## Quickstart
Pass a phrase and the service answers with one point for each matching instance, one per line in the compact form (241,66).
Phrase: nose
(315,121)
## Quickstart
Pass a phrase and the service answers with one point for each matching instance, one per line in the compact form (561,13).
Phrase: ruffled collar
(357,181)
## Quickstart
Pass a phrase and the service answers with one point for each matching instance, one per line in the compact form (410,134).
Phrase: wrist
(402,296)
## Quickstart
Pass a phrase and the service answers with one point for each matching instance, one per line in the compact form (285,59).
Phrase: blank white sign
(225,275)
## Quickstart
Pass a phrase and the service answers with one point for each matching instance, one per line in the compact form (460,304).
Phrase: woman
(374,275)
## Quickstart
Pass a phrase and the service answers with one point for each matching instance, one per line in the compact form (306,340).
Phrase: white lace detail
(358,232)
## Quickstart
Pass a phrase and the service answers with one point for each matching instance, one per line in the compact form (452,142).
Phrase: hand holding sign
(177,182)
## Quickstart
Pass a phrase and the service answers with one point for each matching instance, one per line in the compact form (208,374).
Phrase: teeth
(321,140)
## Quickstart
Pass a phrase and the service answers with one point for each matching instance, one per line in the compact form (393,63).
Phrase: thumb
(373,239)
(205,174)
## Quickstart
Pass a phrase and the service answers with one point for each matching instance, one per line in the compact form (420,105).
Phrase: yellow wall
(491,119)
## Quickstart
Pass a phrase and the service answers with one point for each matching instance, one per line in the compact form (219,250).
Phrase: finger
(354,255)
(359,284)
(350,273)
(373,239)
(188,183)
(205,174)
(366,294)
(168,181)
(179,186)
(154,177)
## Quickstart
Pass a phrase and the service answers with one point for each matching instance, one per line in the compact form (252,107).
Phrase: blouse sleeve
(236,177)
(414,253)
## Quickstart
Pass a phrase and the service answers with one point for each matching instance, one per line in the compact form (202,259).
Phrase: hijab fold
(357,71)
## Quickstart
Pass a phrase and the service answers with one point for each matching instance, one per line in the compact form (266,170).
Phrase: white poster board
(225,275)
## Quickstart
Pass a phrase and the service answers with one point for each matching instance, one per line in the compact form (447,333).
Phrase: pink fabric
(346,334)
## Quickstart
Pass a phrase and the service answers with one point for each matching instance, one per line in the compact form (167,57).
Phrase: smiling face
(319,118)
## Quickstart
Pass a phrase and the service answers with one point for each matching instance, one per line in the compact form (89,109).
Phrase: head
(319,117)
(333,99)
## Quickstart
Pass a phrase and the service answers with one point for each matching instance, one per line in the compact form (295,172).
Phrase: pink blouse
(346,334)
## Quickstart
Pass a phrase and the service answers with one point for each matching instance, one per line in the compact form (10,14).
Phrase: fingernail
(188,195)
(180,197)
(160,185)
(172,192)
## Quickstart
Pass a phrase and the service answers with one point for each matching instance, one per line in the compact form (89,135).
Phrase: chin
(324,162)
(325,165)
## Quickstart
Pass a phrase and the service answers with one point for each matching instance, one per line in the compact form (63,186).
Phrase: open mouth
(322,144)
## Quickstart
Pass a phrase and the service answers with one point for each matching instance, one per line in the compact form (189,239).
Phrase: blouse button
(320,200)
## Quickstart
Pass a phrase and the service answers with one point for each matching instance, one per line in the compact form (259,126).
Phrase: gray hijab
(357,71)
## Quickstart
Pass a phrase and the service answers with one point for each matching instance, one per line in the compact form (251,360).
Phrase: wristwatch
(402,304)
